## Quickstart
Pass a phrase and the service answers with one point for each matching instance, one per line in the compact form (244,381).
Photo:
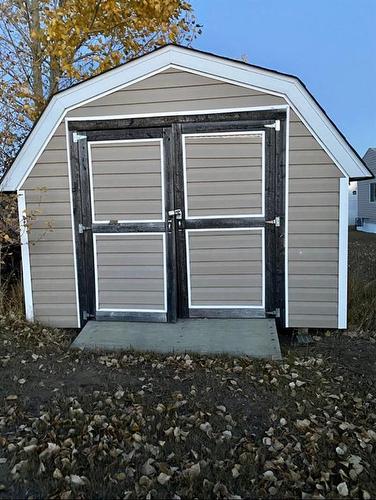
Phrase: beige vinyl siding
(225,268)
(127,180)
(313,232)
(313,199)
(50,236)
(130,271)
(223,175)
(174,91)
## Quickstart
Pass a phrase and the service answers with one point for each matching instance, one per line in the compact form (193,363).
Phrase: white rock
(76,480)
(119,394)
(227,434)
(163,478)
(343,489)
(145,481)
(160,408)
(206,427)
(137,437)
(57,474)
(19,466)
(235,472)
(51,449)
(194,470)
(147,469)
(269,475)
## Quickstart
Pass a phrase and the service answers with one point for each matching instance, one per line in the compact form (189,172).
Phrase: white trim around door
(73,227)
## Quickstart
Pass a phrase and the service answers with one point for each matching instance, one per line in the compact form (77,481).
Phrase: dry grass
(11,299)
(362,281)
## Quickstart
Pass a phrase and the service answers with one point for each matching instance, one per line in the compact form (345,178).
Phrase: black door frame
(170,128)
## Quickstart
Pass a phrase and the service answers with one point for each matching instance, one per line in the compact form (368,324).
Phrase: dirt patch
(128,425)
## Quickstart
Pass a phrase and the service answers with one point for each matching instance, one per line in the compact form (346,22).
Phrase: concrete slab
(242,337)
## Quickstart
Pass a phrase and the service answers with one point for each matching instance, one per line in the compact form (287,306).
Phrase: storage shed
(183,184)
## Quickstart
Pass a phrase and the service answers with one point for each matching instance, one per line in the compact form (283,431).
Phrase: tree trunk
(37,56)
(54,76)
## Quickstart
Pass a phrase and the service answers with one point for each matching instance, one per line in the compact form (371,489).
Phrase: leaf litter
(141,425)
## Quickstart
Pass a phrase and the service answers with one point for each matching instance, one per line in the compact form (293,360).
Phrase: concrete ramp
(241,337)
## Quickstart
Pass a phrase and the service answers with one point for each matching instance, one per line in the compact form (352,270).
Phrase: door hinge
(276,313)
(86,315)
(82,228)
(276,221)
(276,125)
(78,137)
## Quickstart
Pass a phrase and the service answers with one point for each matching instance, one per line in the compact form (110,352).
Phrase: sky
(329,44)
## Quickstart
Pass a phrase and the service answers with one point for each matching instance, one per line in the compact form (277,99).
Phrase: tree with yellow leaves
(47,45)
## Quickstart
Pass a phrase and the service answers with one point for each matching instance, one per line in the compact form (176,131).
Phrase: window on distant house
(372,192)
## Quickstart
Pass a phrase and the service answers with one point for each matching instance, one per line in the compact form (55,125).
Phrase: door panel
(215,184)
(235,261)
(120,190)
(133,278)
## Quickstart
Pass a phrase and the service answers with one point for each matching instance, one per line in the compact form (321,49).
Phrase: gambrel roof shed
(183,184)
(236,72)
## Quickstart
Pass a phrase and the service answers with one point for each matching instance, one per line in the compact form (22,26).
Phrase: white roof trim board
(208,65)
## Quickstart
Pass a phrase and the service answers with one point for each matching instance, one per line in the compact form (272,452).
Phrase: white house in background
(353,202)
(367,196)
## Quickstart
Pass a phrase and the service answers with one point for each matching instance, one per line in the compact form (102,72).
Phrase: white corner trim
(287,180)
(208,65)
(343,252)
(25,255)
(73,231)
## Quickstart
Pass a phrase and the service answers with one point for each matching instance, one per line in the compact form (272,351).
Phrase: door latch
(276,221)
(176,213)
(276,313)
(82,228)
